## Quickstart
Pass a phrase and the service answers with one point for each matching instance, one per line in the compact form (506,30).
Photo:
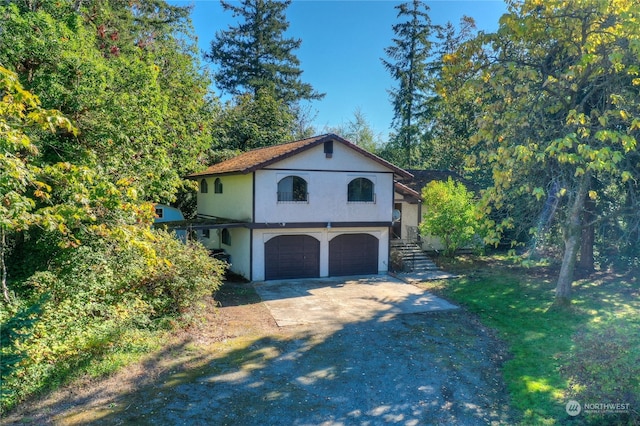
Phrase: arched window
(204,188)
(292,188)
(217,186)
(360,190)
(226,237)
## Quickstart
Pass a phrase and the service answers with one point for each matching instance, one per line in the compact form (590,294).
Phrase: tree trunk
(573,233)
(3,267)
(586,265)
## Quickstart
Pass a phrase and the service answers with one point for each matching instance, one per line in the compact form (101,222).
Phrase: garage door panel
(353,254)
(292,256)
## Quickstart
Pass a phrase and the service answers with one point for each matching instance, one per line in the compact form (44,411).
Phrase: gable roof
(410,194)
(411,189)
(421,178)
(260,158)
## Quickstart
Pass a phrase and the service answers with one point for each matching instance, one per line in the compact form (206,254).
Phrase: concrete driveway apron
(344,299)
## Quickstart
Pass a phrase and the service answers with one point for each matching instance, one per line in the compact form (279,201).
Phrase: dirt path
(434,368)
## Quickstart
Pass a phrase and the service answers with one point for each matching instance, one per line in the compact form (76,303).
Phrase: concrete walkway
(344,300)
(424,275)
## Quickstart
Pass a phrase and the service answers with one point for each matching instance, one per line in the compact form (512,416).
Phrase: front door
(397,223)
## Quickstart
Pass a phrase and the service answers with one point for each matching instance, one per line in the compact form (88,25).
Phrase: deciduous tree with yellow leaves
(560,114)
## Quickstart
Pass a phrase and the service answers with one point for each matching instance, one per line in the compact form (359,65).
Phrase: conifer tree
(255,55)
(407,65)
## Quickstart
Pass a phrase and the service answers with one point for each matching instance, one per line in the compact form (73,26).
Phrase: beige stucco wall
(327,181)
(343,158)
(235,202)
(327,200)
(411,217)
(213,242)
(238,249)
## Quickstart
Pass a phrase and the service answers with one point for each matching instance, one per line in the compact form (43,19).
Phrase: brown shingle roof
(411,194)
(422,177)
(256,159)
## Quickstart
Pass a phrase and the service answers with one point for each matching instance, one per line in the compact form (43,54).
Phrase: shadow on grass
(236,293)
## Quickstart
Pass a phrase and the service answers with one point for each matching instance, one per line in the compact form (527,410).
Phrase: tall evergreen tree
(451,107)
(407,65)
(255,55)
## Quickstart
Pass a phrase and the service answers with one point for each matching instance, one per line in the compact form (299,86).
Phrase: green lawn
(591,347)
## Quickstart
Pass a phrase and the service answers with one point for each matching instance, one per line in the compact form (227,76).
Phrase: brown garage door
(292,256)
(353,254)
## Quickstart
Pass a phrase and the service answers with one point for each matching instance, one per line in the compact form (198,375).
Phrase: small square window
(206,233)
(159,212)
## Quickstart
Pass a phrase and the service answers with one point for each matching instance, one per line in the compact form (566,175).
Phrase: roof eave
(205,174)
(270,161)
(397,171)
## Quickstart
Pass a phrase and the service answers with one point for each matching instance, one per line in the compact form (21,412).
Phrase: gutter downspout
(253,220)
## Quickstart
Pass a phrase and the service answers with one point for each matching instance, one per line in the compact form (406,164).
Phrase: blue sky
(342,43)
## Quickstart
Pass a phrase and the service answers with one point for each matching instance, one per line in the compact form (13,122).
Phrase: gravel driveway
(434,367)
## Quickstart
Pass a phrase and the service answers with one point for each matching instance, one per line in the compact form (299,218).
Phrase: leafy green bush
(396,261)
(94,295)
(451,215)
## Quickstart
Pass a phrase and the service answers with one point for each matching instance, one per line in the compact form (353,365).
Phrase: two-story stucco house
(317,207)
